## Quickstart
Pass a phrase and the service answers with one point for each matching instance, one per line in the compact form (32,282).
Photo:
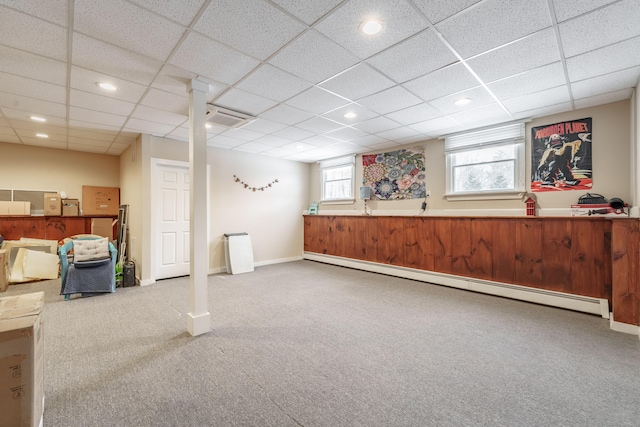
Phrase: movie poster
(561,156)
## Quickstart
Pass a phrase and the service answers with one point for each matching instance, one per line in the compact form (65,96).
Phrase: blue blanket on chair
(89,277)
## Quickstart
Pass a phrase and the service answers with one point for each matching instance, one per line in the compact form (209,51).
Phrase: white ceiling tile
(31,126)
(101,136)
(390,100)
(357,82)
(566,9)
(540,99)
(376,125)
(625,79)
(128,26)
(56,11)
(243,134)
(544,111)
(167,101)
(605,60)
(32,106)
(10,138)
(442,82)
(182,11)
(154,115)
(273,141)
(414,57)
(91,116)
(32,66)
(264,126)
(252,147)
(343,26)
(531,52)
(224,141)
(89,142)
(90,101)
(413,139)
(87,81)
(145,126)
(277,152)
(535,80)
(293,133)
(383,145)
(434,125)
(284,114)
(479,96)
(319,141)
(38,142)
(80,124)
(212,59)
(437,10)
(398,133)
(32,88)
(307,11)
(86,148)
(605,26)
(319,125)
(361,114)
(273,83)
(245,102)
(603,99)
(255,28)
(417,113)
(346,133)
(34,35)
(301,146)
(485,115)
(117,149)
(314,58)
(316,100)
(26,134)
(494,23)
(368,140)
(112,60)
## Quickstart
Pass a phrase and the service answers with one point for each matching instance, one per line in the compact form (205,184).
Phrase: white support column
(198,319)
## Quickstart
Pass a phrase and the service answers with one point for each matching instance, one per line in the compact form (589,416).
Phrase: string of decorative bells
(247,186)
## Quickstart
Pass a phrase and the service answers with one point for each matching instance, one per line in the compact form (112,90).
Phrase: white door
(172,235)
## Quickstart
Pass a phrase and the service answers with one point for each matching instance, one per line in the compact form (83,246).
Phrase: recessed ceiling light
(371,27)
(350,115)
(38,119)
(463,101)
(207,125)
(42,135)
(107,86)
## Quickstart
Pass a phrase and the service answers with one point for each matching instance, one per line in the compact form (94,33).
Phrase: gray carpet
(308,344)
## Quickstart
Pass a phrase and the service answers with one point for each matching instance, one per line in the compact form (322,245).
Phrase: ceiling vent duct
(220,116)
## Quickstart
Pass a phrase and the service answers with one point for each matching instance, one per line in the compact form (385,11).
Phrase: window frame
(509,134)
(335,163)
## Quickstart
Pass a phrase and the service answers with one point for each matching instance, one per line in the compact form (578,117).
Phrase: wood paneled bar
(44,227)
(589,256)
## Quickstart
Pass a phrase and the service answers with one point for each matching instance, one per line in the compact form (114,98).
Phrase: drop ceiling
(300,66)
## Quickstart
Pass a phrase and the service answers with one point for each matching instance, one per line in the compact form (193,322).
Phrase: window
(337,179)
(486,164)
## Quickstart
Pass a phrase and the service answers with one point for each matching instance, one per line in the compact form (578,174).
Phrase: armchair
(91,269)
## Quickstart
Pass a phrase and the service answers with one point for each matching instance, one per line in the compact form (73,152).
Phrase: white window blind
(512,133)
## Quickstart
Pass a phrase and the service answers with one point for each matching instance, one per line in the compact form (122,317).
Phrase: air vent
(220,116)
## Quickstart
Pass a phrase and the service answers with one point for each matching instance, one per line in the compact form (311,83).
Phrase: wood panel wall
(564,254)
(41,227)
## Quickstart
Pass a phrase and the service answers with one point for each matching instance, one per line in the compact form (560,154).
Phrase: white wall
(273,218)
(611,172)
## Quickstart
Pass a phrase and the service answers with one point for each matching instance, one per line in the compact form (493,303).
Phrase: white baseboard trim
(624,327)
(147,282)
(258,264)
(598,306)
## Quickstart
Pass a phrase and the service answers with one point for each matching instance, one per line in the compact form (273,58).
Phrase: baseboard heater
(598,306)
